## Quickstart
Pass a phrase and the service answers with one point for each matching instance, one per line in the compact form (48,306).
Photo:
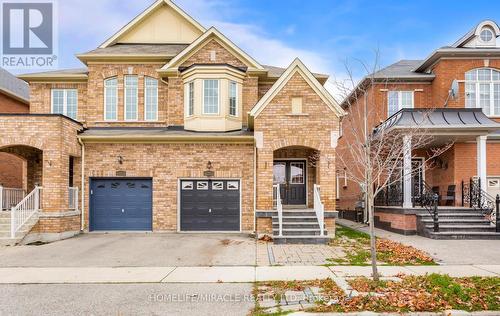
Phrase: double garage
(126,204)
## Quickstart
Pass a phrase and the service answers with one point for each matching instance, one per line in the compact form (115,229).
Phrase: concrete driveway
(135,249)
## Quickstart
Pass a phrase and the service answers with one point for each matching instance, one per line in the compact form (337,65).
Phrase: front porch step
(298,213)
(462,228)
(457,221)
(465,235)
(289,219)
(310,225)
(454,216)
(305,239)
(299,232)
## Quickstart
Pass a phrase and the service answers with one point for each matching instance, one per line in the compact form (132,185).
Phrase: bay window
(482,90)
(189,98)
(233,98)
(65,101)
(398,100)
(210,96)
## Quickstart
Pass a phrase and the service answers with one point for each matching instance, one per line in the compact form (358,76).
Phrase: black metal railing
(475,197)
(391,195)
(429,200)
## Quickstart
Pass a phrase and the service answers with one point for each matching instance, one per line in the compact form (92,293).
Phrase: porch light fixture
(209,165)
(120,160)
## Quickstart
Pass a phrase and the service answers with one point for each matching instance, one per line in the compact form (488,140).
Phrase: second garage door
(210,205)
(121,204)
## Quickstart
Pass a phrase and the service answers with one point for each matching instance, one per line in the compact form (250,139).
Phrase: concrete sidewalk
(242,274)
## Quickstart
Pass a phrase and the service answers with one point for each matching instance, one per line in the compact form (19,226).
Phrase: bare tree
(372,149)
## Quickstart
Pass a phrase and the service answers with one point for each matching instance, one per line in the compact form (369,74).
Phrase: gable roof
(14,87)
(142,16)
(297,67)
(212,33)
(472,32)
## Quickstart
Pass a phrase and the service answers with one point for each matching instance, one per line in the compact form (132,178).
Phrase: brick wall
(281,129)
(166,164)
(11,105)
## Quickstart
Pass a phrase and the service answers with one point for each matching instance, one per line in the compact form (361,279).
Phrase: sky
(330,36)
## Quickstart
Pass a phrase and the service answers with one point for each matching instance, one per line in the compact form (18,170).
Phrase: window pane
(484,97)
(496,75)
(406,99)
(211,96)
(191,98)
(131,84)
(58,101)
(232,98)
(71,103)
(150,98)
(393,102)
(484,74)
(471,75)
(111,98)
(496,99)
(470,95)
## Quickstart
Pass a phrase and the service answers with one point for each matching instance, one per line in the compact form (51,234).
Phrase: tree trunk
(371,215)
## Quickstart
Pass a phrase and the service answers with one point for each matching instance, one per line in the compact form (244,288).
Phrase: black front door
(291,175)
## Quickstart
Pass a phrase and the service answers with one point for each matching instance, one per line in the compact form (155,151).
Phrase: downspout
(255,189)
(82,225)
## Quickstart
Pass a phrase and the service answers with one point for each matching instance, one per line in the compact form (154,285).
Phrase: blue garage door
(120,204)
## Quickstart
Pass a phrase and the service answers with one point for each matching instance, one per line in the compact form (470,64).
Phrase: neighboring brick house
(172,127)
(14,98)
(471,69)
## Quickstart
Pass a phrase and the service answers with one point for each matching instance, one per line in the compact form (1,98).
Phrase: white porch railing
(279,208)
(10,197)
(319,208)
(24,210)
(73,198)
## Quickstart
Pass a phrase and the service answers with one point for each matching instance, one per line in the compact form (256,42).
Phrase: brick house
(14,98)
(459,85)
(172,127)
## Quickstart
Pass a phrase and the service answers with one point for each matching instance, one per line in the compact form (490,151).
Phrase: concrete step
(454,216)
(290,219)
(301,239)
(310,225)
(463,228)
(298,213)
(457,221)
(465,235)
(298,232)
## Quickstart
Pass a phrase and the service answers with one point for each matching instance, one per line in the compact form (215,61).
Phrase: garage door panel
(121,204)
(209,205)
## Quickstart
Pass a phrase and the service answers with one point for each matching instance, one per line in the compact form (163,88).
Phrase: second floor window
(150,99)
(210,96)
(65,101)
(110,99)
(398,100)
(131,98)
(233,98)
(189,98)
(482,90)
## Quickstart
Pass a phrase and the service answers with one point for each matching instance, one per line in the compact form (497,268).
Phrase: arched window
(482,90)
(110,99)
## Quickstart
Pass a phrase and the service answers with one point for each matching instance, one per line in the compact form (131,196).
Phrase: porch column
(481,160)
(407,172)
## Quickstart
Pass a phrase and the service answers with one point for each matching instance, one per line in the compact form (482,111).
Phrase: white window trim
(145,99)
(125,99)
(105,102)
(187,98)
(400,99)
(218,98)
(236,113)
(65,102)
(477,84)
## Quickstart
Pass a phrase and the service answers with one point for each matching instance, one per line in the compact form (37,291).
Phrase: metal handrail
(279,208)
(319,208)
(478,199)
(24,210)
(429,200)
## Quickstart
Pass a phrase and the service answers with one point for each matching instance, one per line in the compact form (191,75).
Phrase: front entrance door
(291,175)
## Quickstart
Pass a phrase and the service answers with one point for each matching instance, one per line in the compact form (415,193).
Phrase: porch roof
(442,120)
(168,134)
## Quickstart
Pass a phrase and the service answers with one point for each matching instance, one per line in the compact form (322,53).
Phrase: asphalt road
(126,299)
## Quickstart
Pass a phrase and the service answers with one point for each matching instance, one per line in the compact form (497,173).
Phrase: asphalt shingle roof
(402,69)
(11,84)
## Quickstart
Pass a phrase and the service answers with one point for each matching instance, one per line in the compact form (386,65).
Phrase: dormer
(485,35)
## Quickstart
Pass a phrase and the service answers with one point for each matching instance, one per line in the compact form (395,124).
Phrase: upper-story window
(131,97)
(486,35)
(482,90)
(150,99)
(210,96)
(189,98)
(110,99)
(233,98)
(398,100)
(65,101)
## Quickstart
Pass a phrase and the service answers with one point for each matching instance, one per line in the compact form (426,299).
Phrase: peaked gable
(162,23)
(297,67)
(209,37)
